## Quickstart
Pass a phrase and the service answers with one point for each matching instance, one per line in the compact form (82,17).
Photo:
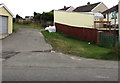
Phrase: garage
(4,25)
(6,21)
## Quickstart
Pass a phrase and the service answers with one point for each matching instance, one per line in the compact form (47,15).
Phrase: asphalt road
(41,64)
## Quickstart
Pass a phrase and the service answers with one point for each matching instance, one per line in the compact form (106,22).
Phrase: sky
(28,7)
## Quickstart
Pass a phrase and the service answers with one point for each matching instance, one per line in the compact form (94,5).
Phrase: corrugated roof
(86,8)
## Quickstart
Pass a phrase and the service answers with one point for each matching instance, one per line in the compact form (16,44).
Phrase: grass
(71,46)
(34,26)
(116,50)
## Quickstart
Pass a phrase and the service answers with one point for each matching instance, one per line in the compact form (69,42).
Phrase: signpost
(114,16)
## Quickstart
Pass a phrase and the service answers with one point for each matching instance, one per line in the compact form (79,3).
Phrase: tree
(48,16)
(35,14)
(17,18)
(44,18)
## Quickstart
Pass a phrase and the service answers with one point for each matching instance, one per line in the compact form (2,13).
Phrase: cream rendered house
(6,21)
(95,8)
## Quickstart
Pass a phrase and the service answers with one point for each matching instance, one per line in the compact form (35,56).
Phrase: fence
(81,26)
(87,34)
(107,39)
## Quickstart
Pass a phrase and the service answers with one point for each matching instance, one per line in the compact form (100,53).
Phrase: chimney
(64,6)
(88,3)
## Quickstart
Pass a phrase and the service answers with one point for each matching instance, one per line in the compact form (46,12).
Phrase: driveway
(25,40)
(33,61)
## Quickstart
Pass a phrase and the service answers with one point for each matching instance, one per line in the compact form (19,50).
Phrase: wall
(74,19)
(100,8)
(4,12)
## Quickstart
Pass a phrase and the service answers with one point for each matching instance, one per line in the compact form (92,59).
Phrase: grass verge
(34,26)
(71,46)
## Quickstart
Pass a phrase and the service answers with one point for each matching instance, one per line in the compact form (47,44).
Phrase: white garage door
(3,25)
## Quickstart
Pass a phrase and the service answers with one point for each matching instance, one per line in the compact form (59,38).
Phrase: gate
(107,39)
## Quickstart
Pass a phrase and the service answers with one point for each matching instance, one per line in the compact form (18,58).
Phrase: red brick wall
(86,34)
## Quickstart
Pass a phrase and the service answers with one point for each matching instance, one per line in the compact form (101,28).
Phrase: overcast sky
(27,7)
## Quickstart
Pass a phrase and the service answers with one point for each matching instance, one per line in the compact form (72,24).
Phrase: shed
(6,21)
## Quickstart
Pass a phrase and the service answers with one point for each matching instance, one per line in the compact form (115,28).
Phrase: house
(108,15)
(28,17)
(69,9)
(96,8)
(6,21)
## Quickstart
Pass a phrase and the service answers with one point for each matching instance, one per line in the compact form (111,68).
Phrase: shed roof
(86,8)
